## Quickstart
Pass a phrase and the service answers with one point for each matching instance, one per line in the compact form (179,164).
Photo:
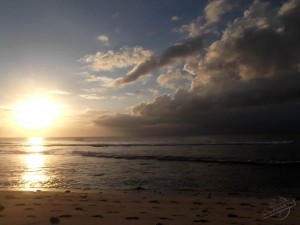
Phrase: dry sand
(141,207)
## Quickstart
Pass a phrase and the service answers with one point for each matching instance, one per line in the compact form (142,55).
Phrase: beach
(148,181)
(135,207)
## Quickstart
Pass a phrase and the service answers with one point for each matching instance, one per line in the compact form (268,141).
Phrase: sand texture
(141,207)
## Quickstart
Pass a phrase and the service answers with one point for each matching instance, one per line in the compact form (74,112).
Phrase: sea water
(256,164)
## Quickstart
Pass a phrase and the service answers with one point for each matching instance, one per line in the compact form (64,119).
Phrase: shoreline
(134,207)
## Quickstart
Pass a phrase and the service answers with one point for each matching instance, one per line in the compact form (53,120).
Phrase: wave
(188,159)
(288,142)
(25,152)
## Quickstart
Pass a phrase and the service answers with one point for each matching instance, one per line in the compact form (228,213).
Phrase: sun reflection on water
(35,144)
(34,175)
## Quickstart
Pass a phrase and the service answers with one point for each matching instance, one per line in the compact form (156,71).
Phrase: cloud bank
(248,81)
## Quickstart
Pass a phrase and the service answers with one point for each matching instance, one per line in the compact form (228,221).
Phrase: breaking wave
(187,159)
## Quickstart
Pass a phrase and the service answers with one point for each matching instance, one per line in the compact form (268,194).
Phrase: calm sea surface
(207,164)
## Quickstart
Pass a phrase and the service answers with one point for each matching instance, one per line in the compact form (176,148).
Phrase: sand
(140,207)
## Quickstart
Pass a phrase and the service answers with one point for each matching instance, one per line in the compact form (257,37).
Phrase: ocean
(252,164)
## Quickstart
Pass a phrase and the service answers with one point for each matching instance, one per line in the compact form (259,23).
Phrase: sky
(151,68)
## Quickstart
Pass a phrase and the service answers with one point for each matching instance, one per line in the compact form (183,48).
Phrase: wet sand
(140,207)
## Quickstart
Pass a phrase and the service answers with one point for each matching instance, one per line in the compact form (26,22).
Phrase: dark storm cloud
(247,82)
(168,56)
(257,92)
(275,119)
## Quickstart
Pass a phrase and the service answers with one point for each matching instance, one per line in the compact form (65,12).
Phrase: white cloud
(93,90)
(103,39)
(5,108)
(175,18)
(194,28)
(111,60)
(59,92)
(144,92)
(92,97)
(289,5)
(103,80)
(171,56)
(216,8)
(166,80)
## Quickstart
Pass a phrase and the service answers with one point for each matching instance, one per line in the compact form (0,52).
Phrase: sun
(36,113)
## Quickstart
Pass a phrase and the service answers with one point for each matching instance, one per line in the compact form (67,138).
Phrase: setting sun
(36,113)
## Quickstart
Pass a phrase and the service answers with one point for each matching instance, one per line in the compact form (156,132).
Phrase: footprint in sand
(164,218)
(20,204)
(54,220)
(221,203)
(200,221)
(36,203)
(98,216)
(154,201)
(65,216)
(79,209)
(9,197)
(29,209)
(112,212)
(132,218)
(197,203)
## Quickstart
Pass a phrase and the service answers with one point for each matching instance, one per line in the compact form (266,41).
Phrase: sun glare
(35,145)
(36,113)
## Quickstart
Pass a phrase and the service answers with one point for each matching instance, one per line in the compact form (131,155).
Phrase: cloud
(104,81)
(146,91)
(259,44)
(6,108)
(103,39)
(175,18)
(276,119)
(287,6)
(248,81)
(216,95)
(110,60)
(195,28)
(59,92)
(92,97)
(216,8)
(166,80)
(169,56)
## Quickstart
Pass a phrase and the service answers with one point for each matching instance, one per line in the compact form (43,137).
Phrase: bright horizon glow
(36,113)
(35,145)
